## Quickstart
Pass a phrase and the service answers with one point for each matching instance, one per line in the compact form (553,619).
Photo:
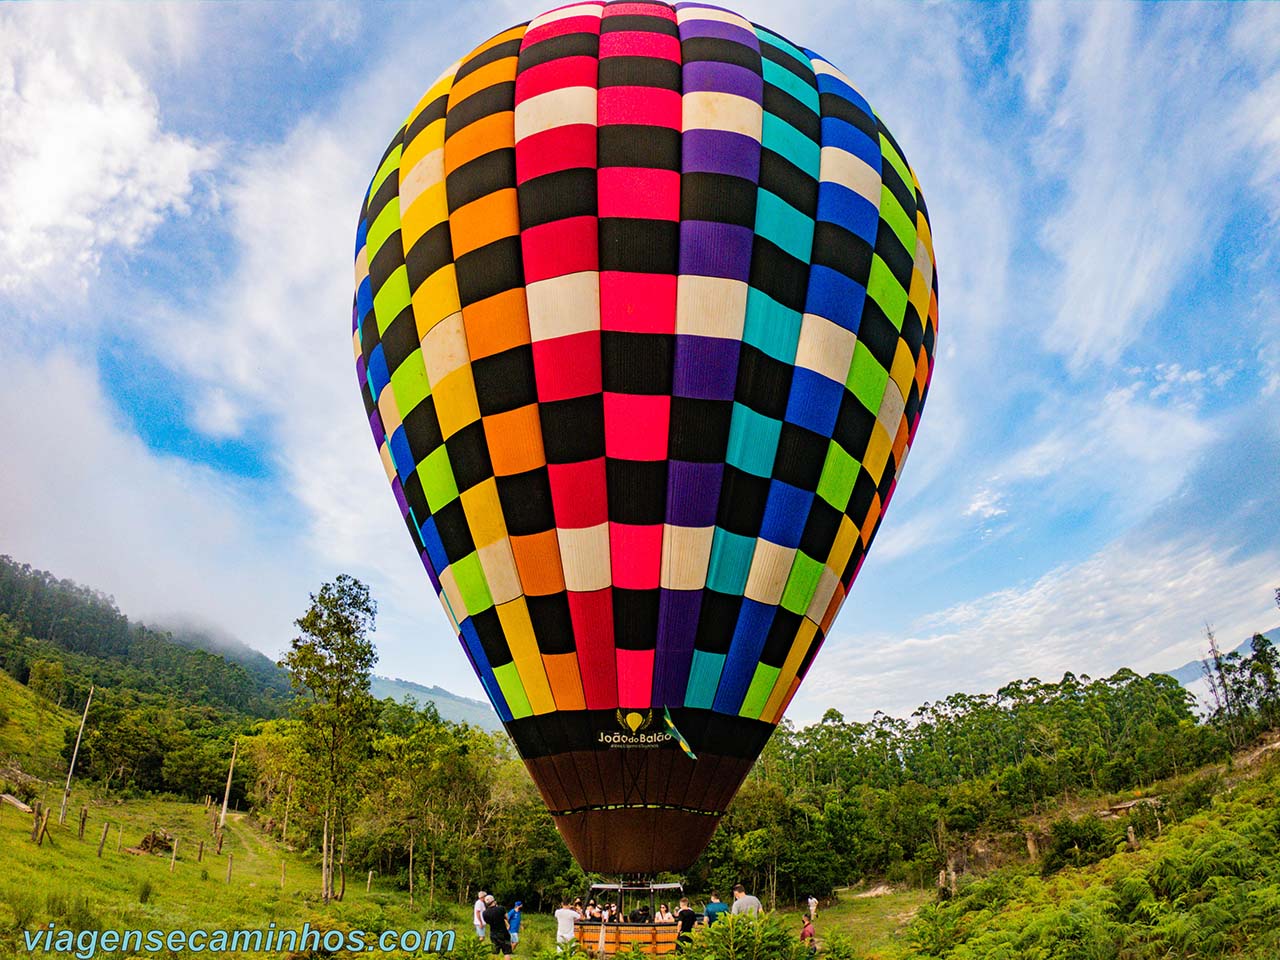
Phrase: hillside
(32,732)
(45,619)
(452,707)
(1205,887)
(77,636)
(268,674)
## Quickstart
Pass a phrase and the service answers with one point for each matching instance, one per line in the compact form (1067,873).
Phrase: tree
(46,679)
(329,666)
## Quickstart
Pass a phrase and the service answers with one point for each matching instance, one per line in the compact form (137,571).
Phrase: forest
(955,796)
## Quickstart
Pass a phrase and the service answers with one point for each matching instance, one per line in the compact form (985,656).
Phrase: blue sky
(1096,475)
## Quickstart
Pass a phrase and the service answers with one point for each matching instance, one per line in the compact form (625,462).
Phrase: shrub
(746,937)
(571,951)
(468,947)
(1077,843)
(839,947)
(1194,796)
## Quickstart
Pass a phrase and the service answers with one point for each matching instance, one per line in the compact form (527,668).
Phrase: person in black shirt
(495,915)
(686,918)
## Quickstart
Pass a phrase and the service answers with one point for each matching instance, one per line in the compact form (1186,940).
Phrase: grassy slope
(64,881)
(32,736)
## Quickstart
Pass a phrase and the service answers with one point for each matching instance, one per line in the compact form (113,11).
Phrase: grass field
(873,923)
(63,881)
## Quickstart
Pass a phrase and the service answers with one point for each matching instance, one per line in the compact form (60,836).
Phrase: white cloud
(273,353)
(1134,101)
(215,415)
(85,162)
(81,495)
(1256,42)
(1118,449)
(1188,385)
(986,504)
(1136,604)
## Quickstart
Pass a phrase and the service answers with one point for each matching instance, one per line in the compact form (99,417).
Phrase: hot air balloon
(644,321)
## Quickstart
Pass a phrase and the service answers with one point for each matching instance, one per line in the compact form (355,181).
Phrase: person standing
(807,936)
(477,914)
(715,908)
(566,916)
(513,922)
(813,907)
(744,902)
(495,915)
(686,918)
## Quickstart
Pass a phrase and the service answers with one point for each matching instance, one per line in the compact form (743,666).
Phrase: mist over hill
(52,619)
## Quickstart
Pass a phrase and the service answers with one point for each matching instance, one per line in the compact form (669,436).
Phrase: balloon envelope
(644,323)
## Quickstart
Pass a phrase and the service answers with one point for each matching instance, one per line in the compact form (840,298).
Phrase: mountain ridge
(1192,670)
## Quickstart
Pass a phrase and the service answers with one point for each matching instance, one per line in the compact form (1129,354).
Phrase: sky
(1097,471)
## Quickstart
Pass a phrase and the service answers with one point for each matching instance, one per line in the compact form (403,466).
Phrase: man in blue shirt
(714,909)
(513,922)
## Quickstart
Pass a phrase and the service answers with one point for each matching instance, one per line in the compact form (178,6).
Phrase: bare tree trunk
(284,834)
(324,859)
(342,863)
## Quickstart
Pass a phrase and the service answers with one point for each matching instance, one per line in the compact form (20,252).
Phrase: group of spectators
(503,925)
(573,911)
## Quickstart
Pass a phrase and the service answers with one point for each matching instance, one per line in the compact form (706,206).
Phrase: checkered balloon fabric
(644,323)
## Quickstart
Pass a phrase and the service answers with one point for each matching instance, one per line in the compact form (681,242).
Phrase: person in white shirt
(813,907)
(477,914)
(744,902)
(565,918)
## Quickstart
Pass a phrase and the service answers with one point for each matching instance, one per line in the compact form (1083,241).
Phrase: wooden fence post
(281,874)
(200,852)
(119,836)
(230,857)
(219,851)
(84,817)
(174,858)
(368,884)
(106,827)
(43,829)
